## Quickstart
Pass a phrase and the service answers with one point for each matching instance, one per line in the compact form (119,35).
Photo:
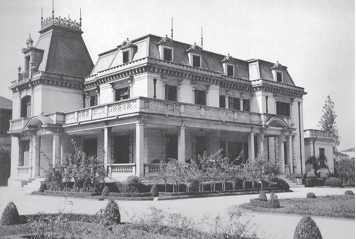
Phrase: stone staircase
(292,184)
(34,184)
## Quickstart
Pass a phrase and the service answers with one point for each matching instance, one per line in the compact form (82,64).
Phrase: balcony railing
(313,133)
(127,168)
(18,124)
(167,108)
(152,169)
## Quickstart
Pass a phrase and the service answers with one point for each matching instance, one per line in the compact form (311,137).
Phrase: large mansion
(148,99)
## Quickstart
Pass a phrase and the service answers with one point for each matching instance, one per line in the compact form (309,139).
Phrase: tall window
(122,94)
(125,57)
(93,100)
(200,97)
(121,149)
(25,152)
(26,107)
(283,109)
(234,103)
(229,70)
(279,77)
(171,92)
(171,147)
(246,105)
(321,152)
(196,61)
(167,54)
(222,103)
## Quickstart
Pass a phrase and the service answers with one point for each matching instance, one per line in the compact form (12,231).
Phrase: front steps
(34,184)
(290,182)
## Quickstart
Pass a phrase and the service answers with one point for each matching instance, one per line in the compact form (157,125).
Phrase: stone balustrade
(18,124)
(127,168)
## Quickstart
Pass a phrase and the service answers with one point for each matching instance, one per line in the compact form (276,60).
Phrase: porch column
(181,144)
(251,146)
(290,153)
(260,138)
(281,140)
(56,149)
(107,146)
(140,147)
(33,156)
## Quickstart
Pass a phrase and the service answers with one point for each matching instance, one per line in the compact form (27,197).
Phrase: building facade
(149,99)
(5,117)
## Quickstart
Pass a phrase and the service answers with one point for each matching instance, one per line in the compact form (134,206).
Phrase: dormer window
(167,54)
(279,77)
(229,70)
(196,61)
(125,57)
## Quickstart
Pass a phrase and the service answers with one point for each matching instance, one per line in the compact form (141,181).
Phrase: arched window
(26,107)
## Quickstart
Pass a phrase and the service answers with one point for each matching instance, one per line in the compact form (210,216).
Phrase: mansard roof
(64,49)
(148,46)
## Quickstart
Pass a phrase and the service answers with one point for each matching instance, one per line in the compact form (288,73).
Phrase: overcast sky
(315,39)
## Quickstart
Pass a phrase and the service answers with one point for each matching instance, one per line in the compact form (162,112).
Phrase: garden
(80,175)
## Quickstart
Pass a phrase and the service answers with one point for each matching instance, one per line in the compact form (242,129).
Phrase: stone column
(140,147)
(260,145)
(290,153)
(281,140)
(226,101)
(241,103)
(251,146)
(56,149)
(107,146)
(181,144)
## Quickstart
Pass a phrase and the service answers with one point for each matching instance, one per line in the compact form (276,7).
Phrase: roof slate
(5,103)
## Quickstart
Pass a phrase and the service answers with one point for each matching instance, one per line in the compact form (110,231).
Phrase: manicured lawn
(342,206)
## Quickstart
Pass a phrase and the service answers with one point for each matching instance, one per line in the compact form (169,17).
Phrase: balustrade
(122,168)
(152,168)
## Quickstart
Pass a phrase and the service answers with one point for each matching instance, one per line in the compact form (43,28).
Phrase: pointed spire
(80,17)
(172,28)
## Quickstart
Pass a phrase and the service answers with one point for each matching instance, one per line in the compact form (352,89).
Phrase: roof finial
(201,38)
(80,18)
(172,28)
(52,9)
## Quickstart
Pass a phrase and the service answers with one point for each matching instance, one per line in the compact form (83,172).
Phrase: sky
(315,39)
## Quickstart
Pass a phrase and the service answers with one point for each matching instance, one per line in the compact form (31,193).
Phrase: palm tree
(317,163)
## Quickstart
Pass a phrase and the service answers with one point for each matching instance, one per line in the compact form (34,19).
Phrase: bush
(333,182)
(311,195)
(105,191)
(154,191)
(10,215)
(43,187)
(262,196)
(133,181)
(349,192)
(324,175)
(112,213)
(283,185)
(319,182)
(311,174)
(274,201)
(259,203)
(306,229)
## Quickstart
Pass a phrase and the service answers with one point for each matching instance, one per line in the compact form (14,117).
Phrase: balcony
(18,124)
(160,107)
(320,134)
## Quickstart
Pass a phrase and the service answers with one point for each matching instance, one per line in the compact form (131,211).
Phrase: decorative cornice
(228,59)
(61,22)
(194,48)
(165,41)
(127,44)
(278,66)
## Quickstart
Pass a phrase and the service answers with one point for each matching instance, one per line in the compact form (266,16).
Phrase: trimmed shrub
(283,185)
(274,201)
(324,175)
(10,215)
(311,195)
(310,182)
(112,213)
(333,182)
(349,192)
(154,191)
(306,229)
(262,196)
(319,182)
(311,174)
(105,191)
(133,181)
(259,203)
(43,187)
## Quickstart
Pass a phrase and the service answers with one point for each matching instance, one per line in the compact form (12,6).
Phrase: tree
(346,170)
(317,163)
(328,123)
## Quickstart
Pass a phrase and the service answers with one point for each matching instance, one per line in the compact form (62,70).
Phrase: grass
(339,206)
(157,224)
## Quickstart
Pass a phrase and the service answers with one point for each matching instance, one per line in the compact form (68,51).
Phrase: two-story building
(148,99)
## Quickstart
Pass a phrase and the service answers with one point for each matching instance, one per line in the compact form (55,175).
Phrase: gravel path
(278,226)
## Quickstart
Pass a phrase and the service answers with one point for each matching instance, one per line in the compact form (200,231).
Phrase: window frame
(128,56)
(281,108)
(246,105)
(279,75)
(222,101)
(167,92)
(234,103)
(232,67)
(199,99)
(164,53)
(122,90)
(194,56)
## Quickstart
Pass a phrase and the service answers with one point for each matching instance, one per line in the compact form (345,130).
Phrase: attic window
(279,77)
(125,57)
(196,61)
(167,54)
(229,70)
